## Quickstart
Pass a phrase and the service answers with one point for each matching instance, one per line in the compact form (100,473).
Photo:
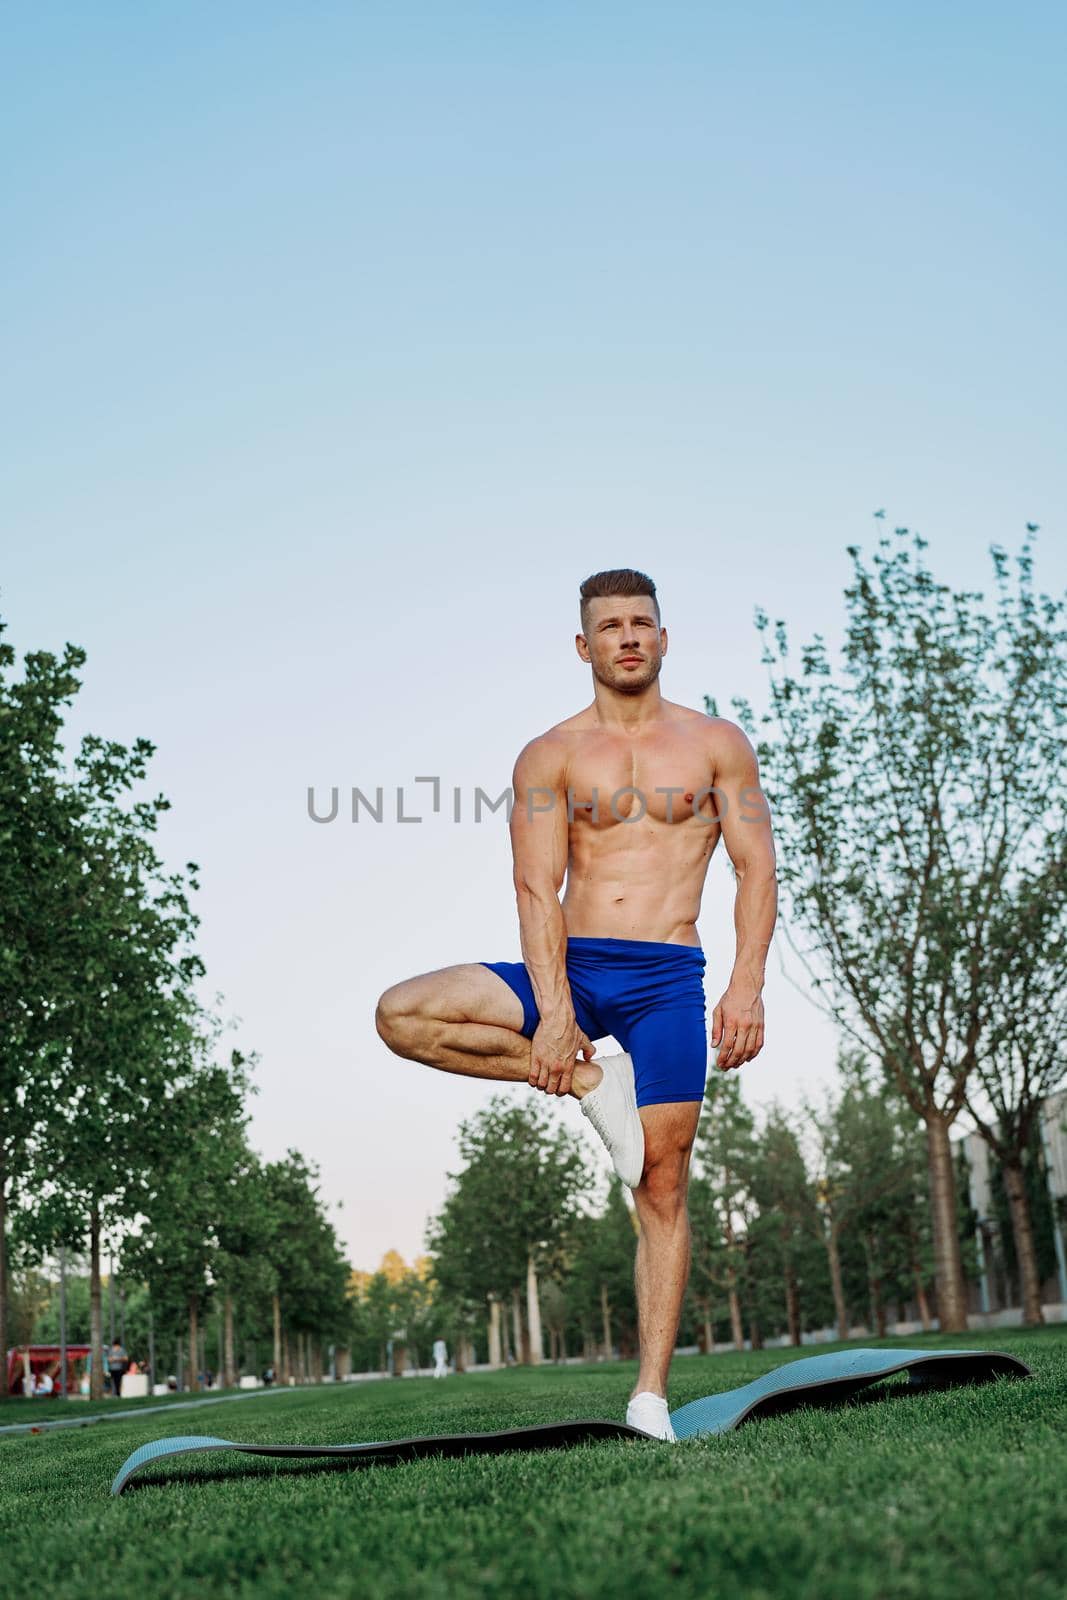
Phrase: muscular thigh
(467,992)
(670,1131)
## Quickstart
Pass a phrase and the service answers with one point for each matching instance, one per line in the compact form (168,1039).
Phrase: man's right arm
(539,844)
(539,857)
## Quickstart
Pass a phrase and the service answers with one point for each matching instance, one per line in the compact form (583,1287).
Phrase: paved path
(144,1411)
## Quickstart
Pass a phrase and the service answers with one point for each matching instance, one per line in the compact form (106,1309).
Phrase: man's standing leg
(661,1268)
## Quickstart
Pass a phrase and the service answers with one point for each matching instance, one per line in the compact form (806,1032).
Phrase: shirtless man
(628,798)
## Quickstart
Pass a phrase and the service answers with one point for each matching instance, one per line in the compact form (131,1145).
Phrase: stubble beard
(628,682)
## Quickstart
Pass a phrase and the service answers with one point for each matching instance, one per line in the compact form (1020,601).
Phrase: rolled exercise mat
(814,1380)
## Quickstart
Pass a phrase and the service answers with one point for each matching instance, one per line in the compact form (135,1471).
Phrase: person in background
(116,1365)
(440,1359)
(45,1384)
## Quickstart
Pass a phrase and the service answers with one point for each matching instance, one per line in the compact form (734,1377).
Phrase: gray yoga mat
(812,1380)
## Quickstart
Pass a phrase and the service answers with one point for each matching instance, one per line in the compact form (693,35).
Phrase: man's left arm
(745,819)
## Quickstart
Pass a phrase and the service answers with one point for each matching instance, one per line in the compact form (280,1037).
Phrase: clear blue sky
(342,341)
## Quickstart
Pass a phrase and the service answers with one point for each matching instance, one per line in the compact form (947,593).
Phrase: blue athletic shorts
(649,996)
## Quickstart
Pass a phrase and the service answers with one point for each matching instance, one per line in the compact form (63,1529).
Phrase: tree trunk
(948,1264)
(516,1326)
(792,1303)
(496,1359)
(229,1365)
(921,1301)
(1023,1236)
(96,1312)
(194,1342)
(3,1282)
(276,1360)
(605,1320)
(737,1325)
(533,1313)
(709,1332)
(874,1288)
(755,1332)
(837,1282)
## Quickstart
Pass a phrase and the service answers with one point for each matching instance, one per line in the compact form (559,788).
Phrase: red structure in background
(45,1358)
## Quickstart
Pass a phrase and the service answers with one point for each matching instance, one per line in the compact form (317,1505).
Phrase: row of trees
(239,1271)
(799,1220)
(122,1122)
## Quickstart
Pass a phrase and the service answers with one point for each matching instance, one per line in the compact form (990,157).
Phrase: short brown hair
(617,580)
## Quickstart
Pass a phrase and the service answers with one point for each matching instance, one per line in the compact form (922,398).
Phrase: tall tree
(1022,1057)
(723,1206)
(516,1202)
(126,1017)
(787,1220)
(912,792)
(39,813)
(310,1273)
(871,1188)
(240,1268)
(599,1280)
(184,1200)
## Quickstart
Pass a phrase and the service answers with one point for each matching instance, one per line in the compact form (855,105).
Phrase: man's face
(623,642)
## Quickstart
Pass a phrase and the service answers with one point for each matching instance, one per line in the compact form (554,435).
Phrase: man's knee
(394,1019)
(668,1145)
(664,1182)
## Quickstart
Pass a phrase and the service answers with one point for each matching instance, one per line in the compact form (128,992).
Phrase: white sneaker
(649,1413)
(612,1109)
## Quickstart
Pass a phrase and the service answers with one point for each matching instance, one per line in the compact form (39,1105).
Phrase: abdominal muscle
(639,880)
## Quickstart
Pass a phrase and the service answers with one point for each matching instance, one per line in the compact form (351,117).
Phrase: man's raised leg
(464,1019)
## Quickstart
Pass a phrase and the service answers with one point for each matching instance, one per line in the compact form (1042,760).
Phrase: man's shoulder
(719,730)
(544,757)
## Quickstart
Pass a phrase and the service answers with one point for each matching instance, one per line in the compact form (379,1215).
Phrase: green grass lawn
(960,1493)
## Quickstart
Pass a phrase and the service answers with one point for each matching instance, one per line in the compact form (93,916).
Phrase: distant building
(997,1287)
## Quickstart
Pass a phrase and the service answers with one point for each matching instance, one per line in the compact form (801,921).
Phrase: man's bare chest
(666,778)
